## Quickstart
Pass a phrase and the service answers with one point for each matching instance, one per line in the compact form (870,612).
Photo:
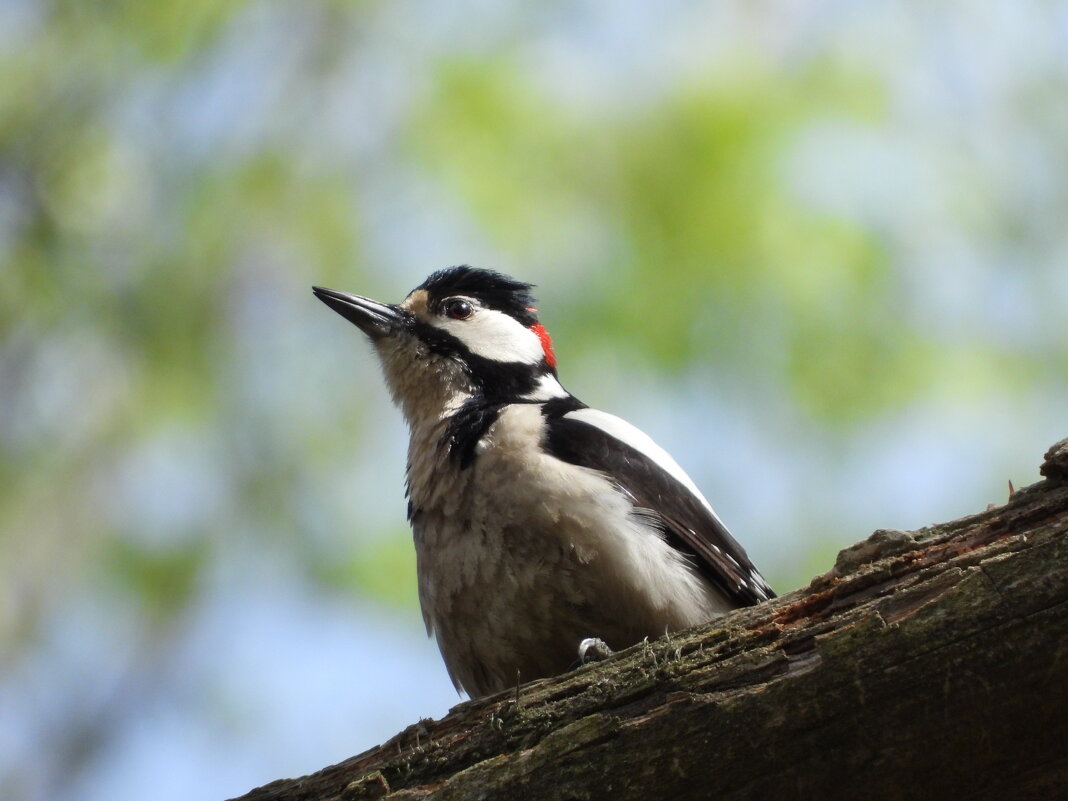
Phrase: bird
(545,531)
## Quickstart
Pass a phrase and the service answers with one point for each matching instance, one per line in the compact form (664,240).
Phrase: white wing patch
(547,389)
(643,443)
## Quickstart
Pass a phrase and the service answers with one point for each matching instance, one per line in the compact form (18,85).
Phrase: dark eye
(457,308)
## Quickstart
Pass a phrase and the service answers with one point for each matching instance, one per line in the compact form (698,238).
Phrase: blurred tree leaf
(382,568)
(161,580)
(162,31)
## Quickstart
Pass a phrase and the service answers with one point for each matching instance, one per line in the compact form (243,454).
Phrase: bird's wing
(647,473)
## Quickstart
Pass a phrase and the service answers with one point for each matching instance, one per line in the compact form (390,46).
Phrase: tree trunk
(925,664)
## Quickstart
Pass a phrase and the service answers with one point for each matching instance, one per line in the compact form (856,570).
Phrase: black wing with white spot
(603,442)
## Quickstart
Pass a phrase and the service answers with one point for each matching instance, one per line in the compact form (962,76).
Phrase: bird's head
(462,333)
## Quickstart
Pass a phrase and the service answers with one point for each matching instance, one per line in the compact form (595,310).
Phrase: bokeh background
(819,250)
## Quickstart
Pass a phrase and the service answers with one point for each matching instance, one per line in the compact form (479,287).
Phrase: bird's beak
(375,319)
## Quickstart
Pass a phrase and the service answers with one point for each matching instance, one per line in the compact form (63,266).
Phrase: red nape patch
(546,343)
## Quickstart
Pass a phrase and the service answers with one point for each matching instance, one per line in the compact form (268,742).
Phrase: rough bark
(925,664)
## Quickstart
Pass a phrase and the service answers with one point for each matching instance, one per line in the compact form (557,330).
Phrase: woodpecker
(541,526)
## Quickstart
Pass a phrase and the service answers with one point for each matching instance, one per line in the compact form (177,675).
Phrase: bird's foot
(593,649)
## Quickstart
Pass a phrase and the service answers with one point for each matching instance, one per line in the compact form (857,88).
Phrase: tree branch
(931,664)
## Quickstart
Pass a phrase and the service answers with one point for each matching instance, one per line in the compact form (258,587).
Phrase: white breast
(540,533)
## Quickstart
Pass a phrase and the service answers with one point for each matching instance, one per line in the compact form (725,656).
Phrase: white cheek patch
(494,335)
(547,389)
(643,443)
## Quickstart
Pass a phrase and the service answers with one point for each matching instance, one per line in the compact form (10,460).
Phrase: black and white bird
(540,524)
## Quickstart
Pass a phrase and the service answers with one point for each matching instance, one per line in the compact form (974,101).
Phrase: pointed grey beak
(375,319)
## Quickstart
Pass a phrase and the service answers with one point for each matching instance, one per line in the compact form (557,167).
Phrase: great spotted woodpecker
(540,524)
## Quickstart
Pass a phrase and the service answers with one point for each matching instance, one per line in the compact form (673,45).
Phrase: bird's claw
(593,649)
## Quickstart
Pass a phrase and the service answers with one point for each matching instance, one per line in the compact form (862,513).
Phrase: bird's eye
(457,308)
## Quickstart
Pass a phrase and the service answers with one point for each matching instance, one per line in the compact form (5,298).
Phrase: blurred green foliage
(384,569)
(690,189)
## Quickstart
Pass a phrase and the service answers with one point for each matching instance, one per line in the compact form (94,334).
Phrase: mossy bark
(925,664)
